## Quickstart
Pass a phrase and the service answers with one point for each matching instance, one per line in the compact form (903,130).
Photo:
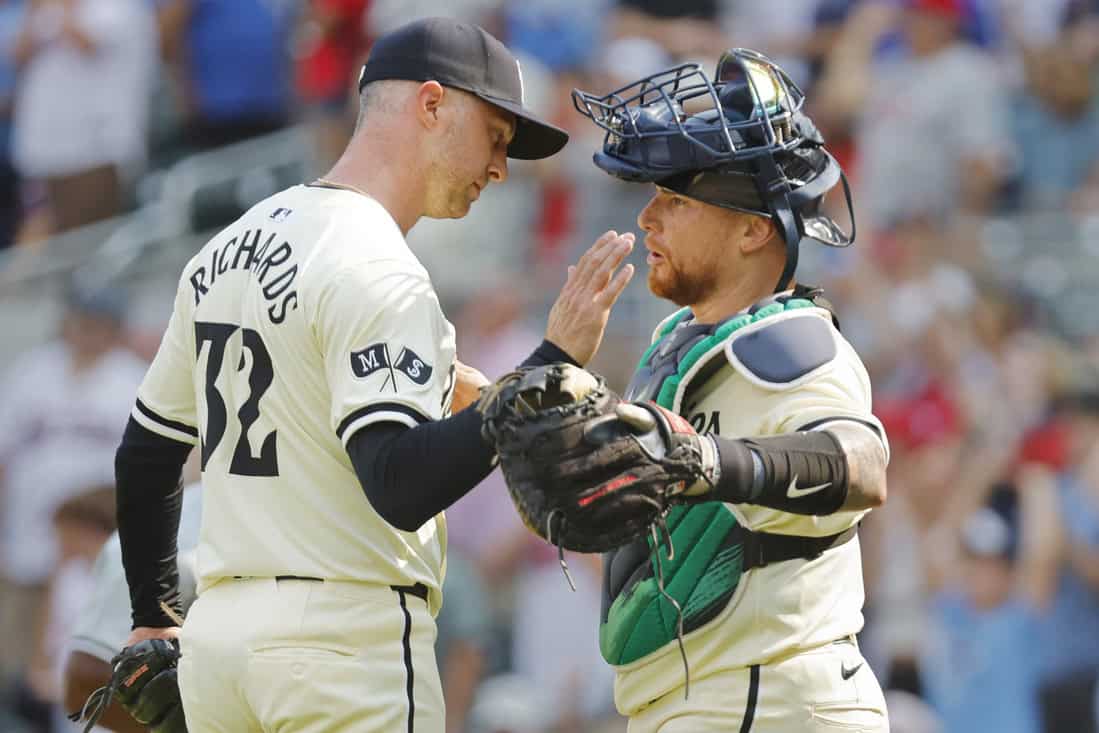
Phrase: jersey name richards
(301,323)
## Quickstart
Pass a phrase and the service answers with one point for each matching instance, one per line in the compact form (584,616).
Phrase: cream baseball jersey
(786,607)
(301,323)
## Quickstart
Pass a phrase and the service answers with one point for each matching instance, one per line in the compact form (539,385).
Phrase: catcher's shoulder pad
(784,345)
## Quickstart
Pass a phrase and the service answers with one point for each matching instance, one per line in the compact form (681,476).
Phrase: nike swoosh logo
(793,492)
(849,673)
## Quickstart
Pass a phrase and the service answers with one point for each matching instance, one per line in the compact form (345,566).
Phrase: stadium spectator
(231,64)
(1069,658)
(1080,34)
(1080,28)
(977,665)
(463,641)
(81,110)
(687,29)
(82,525)
(11,20)
(386,15)
(1056,128)
(563,35)
(919,93)
(925,431)
(785,28)
(102,621)
(909,713)
(63,407)
(555,643)
(493,336)
(508,703)
(1034,24)
(331,42)
(829,18)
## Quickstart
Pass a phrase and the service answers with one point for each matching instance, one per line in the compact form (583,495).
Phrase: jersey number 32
(260,377)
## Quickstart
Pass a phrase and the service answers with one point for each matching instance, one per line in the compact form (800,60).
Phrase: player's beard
(681,286)
(451,184)
(450,192)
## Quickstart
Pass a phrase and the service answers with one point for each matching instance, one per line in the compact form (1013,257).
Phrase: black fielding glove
(145,684)
(587,471)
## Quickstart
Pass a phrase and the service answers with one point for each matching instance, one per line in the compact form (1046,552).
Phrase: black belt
(763,548)
(419,589)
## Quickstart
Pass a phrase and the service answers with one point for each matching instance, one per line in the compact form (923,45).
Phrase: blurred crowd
(956,121)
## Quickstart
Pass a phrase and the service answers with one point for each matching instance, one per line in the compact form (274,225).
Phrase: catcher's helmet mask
(740,141)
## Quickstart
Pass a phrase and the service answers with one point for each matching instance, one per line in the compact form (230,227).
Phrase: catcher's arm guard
(144,682)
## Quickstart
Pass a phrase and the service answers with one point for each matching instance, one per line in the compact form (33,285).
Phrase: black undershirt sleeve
(411,474)
(149,497)
(548,352)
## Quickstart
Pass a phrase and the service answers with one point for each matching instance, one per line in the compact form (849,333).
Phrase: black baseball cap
(466,57)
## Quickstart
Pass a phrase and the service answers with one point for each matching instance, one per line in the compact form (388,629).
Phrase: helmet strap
(776,190)
(850,204)
(784,217)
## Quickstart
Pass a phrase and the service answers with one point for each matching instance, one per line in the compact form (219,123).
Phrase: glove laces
(95,706)
(656,529)
(550,524)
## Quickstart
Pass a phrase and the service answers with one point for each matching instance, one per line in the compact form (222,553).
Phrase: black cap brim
(534,138)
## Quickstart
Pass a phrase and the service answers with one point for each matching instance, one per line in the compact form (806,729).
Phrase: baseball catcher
(727,484)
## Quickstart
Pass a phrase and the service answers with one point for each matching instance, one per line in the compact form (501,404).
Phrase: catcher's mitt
(587,471)
(144,682)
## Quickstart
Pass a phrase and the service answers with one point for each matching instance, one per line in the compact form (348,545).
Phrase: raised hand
(579,316)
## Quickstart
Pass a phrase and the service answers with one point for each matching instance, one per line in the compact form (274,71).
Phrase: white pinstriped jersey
(302,322)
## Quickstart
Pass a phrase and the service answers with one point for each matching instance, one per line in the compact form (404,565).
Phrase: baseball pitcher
(309,359)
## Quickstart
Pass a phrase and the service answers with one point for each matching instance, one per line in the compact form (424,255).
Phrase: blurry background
(131,130)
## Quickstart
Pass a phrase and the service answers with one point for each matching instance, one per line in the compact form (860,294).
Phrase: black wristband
(736,478)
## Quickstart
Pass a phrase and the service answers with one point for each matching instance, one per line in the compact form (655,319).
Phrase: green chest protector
(709,548)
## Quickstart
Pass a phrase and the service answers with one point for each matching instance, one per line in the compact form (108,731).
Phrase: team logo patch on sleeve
(369,360)
(377,356)
(415,368)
